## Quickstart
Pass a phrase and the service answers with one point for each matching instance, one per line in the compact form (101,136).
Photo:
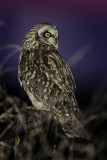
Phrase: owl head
(41,34)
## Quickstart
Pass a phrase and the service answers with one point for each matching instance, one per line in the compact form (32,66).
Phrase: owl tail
(74,128)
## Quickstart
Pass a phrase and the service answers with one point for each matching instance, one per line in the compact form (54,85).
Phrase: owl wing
(50,86)
(59,71)
(55,71)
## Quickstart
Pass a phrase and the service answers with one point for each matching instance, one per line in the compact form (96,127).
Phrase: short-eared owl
(47,78)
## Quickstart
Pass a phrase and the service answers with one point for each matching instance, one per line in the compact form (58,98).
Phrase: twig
(14,46)
(79,55)
(5,114)
(6,129)
(5,144)
(7,58)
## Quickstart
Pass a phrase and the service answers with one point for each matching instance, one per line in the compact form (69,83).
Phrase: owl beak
(56,43)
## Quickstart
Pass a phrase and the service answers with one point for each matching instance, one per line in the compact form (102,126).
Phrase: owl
(47,79)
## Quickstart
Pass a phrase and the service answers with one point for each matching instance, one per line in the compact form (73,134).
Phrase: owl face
(48,34)
(42,33)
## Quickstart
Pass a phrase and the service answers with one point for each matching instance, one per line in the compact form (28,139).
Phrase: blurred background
(82,29)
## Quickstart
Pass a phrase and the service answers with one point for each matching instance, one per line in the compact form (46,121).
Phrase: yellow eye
(47,34)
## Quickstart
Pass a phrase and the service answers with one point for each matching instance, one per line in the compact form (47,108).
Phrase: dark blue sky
(78,25)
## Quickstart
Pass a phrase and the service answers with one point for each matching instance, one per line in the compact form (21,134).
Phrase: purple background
(79,23)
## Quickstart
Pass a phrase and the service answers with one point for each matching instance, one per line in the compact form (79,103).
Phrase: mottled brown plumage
(47,78)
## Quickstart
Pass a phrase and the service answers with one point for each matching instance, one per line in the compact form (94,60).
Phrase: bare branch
(11,46)
(16,48)
(79,55)
(5,144)
(6,70)
(5,114)
(6,129)
(7,58)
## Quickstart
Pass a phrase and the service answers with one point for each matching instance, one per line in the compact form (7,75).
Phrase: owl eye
(47,34)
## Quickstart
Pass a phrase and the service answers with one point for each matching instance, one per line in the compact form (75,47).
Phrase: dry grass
(42,138)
